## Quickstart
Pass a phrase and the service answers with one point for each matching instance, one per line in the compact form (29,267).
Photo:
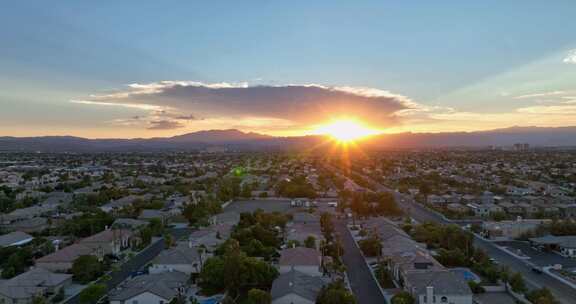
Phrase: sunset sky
(153,68)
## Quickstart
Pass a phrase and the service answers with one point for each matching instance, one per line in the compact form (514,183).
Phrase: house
(103,243)
(507,230)
(511,208)
(296,287)
(412,261)
(564,245)
(207,237)
(150,214)
(457,207)
(511,190)
(159,288)
(440,286)
(36,224)
(229,217)
(183,258)
(38,282)
(485,210)
(63,259)
(109,241)
(16,238)
(119,203)
(302,259)
(567,211)
(436,200)
(129,223)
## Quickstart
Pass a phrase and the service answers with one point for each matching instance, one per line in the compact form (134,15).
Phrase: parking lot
(539,258)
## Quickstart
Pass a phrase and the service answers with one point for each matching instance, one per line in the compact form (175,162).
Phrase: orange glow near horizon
(345,130)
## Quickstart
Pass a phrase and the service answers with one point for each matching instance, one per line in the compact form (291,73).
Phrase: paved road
(135,264)
(538,257)
(561,291)
(362,282)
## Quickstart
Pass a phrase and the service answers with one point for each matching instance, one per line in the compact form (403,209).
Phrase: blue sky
(463,66)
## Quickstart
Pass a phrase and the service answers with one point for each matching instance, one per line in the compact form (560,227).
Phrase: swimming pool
(466,274)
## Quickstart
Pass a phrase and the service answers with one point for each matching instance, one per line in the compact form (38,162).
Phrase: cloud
(565,109)
(539,95)
(126,105)
(571,57)
(300,105)
(165,125)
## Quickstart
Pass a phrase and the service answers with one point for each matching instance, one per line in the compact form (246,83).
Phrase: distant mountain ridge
(238,140)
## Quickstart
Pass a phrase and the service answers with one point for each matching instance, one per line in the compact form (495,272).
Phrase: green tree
(403,297)
(310,242)
(212,275)
(335,293)
(258,296)
(59,297)
(541,296)
(38,300)
(517,283)
(92,293)
(16,261)
(87,268)
(371,246)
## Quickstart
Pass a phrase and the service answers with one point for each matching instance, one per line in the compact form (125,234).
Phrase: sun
(345,130)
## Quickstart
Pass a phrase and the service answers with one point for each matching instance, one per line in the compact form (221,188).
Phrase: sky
(103,69)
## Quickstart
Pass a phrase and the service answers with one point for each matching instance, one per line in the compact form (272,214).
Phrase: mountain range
(237,140)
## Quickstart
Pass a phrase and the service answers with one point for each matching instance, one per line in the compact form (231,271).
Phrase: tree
(335,293)
(92,293)
(310,242)
(541,296)
(38,300)
(292,244)
(212,275)
(59,297)
(258,296)
(234,270)
(86,268)
(517,283)
(371,246)
(14,261)
(403,297)
(476,287)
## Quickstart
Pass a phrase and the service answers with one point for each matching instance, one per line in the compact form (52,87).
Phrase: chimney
(429,294)
(189,243)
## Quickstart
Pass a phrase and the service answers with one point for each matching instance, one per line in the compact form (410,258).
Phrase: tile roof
(300,256)
(164,285)
(444,282)
(295,282)
(14,238)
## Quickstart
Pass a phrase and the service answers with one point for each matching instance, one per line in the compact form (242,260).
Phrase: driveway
(362,282)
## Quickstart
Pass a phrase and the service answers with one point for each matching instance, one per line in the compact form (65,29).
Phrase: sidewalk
(558,277)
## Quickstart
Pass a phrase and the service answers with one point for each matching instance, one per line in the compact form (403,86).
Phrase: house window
(135,302)
(161,302)
(444,299)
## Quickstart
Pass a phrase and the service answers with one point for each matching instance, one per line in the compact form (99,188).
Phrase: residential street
(135,264)
(362,282)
